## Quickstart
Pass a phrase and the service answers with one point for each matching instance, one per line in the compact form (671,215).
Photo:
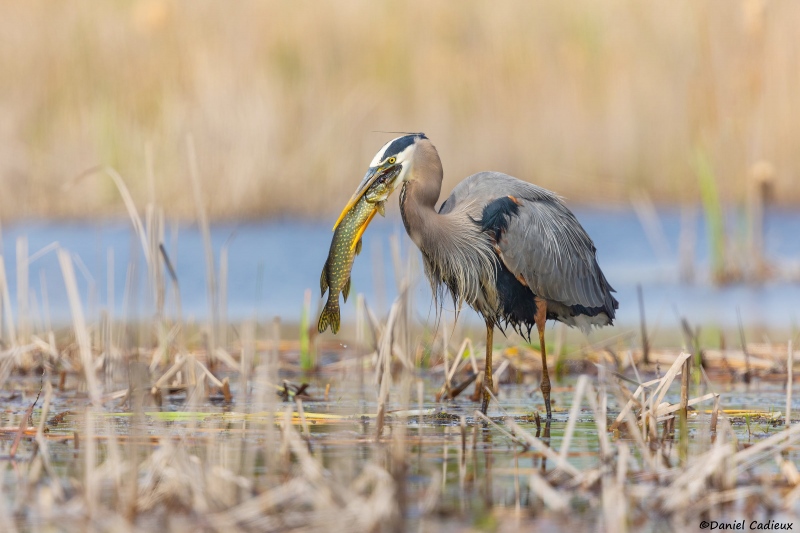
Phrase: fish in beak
(386,174)
(369,198)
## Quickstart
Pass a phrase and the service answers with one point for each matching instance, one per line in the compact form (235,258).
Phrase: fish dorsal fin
(358,246)
(346,289)
(323,282)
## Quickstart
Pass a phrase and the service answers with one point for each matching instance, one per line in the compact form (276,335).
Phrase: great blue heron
(509,249)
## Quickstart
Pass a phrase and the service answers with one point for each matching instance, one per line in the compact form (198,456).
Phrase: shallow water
(272,263)
(489,473)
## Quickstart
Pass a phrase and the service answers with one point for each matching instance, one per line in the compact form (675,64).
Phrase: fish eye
(392,160)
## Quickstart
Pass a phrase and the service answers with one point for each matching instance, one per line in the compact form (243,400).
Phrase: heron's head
(390,167)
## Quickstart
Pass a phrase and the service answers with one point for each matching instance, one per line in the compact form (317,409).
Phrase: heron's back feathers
(541,244)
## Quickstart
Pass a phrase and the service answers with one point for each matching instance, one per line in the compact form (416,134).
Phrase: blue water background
(272,263)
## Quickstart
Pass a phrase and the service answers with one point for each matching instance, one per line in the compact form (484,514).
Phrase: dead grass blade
(8,315)
(79,326)
(202,220)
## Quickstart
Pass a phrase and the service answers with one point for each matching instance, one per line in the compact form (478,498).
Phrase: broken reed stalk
(553,499)
(789,382)
(597,401)
(109,329)
(489,422)
(658,393)
(383,371)
(445,341)
(173,276)
(448,391)
(580,387)
(683,445)
(265,399)
(747,374)
(399,451)
(41,441)
(202,221)
(520,434)
(154,230)
(11,331)
(693,343)
(90,453)
(687,365)
(715,416)
(301,412)
(246,361)
(359,347)
(23,317)
(79,324)
(130,206)
(189,355)
(643,326)
(48,324)
(766,448)
(461,387)
(223,294)
(23,425)
(463,430)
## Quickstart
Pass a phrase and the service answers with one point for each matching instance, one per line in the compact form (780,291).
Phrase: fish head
(386,171)
(384,185)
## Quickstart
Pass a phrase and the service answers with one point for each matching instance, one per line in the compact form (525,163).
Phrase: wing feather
(547,245)
(544,242)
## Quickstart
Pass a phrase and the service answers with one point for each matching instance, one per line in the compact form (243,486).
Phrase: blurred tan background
(596,100)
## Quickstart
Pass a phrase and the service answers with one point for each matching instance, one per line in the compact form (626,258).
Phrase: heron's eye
(392,160)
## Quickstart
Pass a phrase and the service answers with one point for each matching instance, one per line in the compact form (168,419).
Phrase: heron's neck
(418,208)
(455,251)
(415,214)
(420,194)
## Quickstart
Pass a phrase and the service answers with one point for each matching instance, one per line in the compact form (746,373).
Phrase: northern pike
(346,244)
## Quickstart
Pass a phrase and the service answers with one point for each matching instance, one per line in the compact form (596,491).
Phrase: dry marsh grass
(596,101)
(171,426)
(140,448)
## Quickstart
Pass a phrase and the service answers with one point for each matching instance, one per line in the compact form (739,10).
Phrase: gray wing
(543,243)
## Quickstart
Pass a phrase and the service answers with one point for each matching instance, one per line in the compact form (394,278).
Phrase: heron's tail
(330,316)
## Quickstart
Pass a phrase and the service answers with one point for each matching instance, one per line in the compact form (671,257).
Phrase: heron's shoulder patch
(497,214)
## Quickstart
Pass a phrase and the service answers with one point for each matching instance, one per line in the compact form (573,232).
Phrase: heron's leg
(487,373)
(541,318)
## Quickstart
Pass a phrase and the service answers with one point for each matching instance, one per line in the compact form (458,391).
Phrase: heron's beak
(373,173)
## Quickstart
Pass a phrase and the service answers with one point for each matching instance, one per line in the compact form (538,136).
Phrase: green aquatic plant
(712,208)
(307,356)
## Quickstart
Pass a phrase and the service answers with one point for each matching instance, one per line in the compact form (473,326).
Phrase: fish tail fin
(329,317)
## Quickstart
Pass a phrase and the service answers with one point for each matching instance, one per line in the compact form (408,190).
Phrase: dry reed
(280,95)
(147,448)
